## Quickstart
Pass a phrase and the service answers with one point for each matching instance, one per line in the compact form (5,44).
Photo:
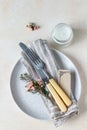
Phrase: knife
(58,94)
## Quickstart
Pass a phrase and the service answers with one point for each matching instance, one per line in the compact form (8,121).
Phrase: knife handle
(61,93)
(56,97)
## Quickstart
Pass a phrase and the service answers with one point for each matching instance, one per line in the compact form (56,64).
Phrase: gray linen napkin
(45,53)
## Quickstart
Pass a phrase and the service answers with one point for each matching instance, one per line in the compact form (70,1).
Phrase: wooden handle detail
(61,93)
(56,97)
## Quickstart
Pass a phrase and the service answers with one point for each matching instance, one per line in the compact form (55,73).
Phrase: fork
(58,94)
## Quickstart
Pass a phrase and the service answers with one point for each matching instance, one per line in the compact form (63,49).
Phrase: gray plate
(32,104)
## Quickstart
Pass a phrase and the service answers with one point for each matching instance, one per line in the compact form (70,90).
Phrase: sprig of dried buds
(32,26)
(34,86)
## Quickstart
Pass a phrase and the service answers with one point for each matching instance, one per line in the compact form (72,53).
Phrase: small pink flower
(32,26)
(33,88)
(30,83)
(40,82)
(29,86)
(36,27)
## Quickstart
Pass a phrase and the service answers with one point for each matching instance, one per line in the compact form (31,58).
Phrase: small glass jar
(62,34)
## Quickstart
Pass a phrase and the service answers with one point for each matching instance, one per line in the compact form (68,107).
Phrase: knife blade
(54,88)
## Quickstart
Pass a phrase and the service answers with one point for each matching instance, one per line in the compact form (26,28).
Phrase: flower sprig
(32,26)
(34,86)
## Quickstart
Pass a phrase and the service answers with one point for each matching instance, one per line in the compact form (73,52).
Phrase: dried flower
(40,82)
(32,26)
(29,86)
(34,86)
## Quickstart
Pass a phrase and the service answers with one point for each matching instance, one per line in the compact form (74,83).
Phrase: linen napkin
(41,48)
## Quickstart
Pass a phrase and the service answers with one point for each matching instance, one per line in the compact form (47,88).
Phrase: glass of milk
(62,34)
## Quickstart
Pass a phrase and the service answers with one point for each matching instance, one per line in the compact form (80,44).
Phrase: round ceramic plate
(32,104)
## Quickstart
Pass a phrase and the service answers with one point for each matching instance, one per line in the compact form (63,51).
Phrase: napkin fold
(46,54)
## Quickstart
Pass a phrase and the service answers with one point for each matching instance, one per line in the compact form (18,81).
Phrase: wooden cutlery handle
(61,93)
(56,97)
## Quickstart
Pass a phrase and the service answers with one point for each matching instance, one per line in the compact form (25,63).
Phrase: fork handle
(56,97)
(61,93)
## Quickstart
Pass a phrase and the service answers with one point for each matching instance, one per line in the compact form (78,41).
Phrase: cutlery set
(60,97)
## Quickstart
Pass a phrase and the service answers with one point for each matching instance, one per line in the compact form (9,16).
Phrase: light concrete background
(14,15)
